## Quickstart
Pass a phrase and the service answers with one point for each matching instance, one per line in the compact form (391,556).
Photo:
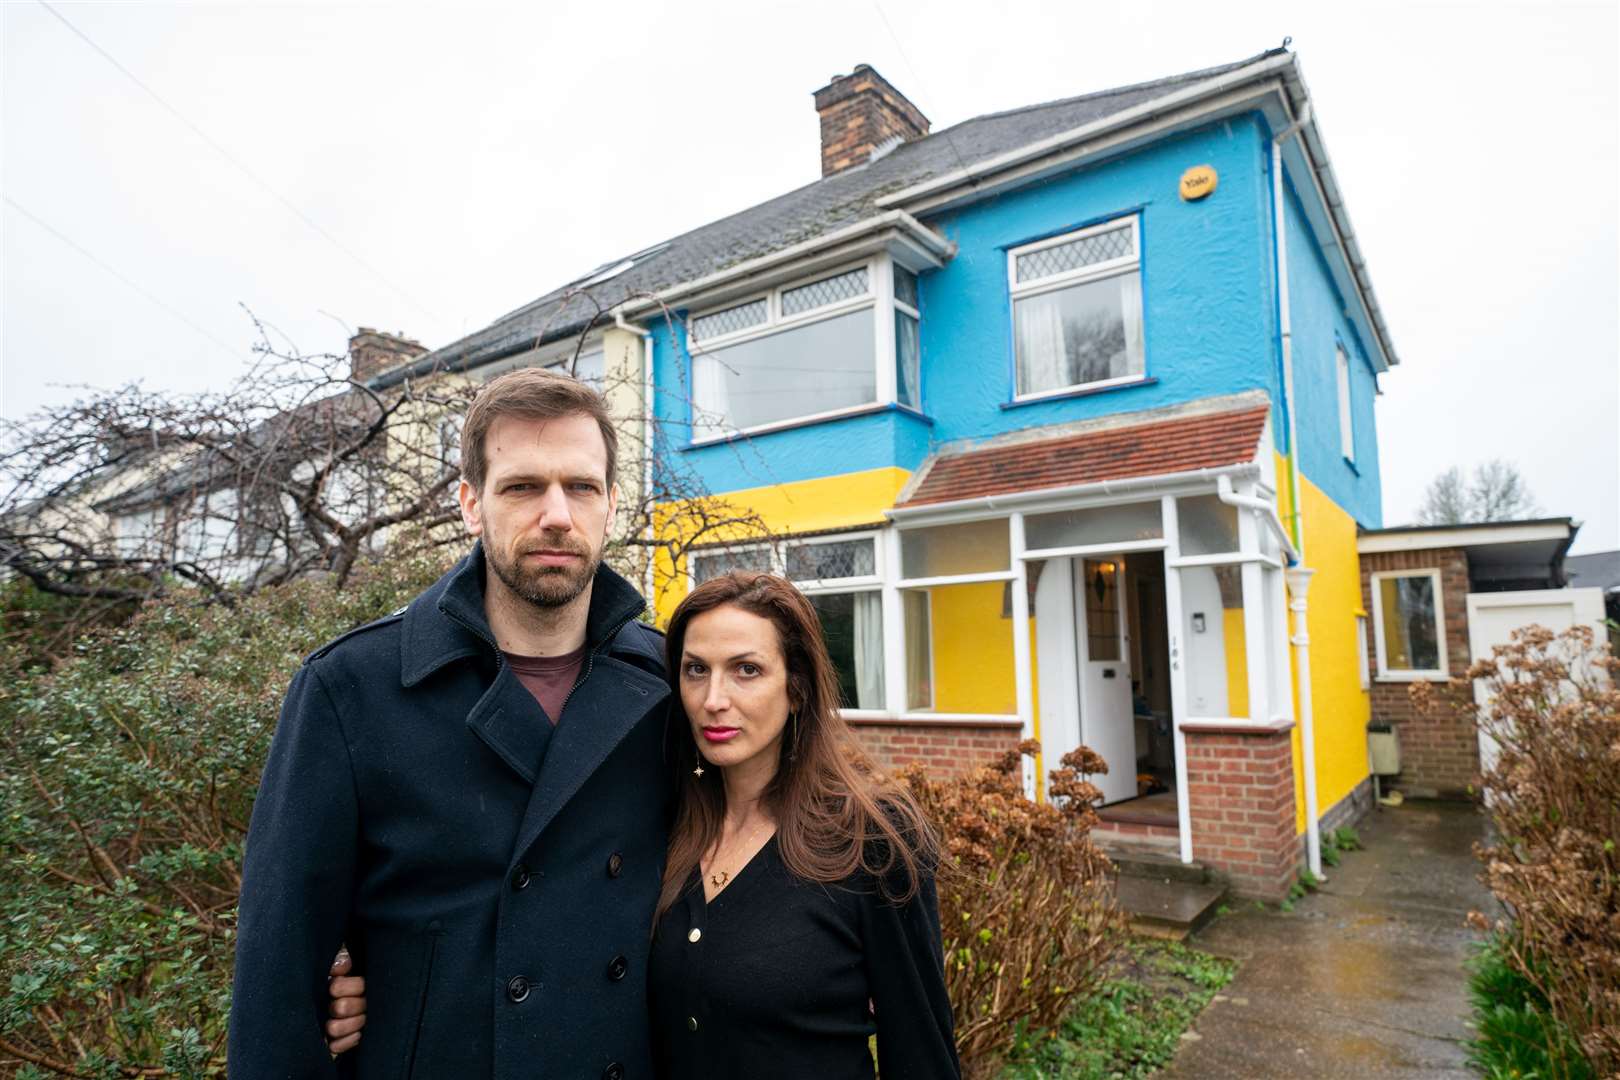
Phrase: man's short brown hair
(535,394)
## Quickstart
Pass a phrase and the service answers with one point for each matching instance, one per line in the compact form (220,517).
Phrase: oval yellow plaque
(1198,182)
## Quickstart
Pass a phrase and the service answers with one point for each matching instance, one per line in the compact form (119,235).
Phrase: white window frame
(1347,422)
(1385,673)
(927,710)
(862,583)
(879,297)
(1095,272)
(1361,652)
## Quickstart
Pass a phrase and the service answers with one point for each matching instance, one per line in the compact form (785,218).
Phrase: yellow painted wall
(973,650)
(1340,708)
(829,502)
(1235,635)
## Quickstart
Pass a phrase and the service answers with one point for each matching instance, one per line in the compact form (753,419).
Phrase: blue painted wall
(1318,326)
(1206,294)
(1210,325)
(892,436)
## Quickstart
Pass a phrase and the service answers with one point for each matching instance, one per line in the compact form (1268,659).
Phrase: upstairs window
(1347,430)
(811,349)
(1077,310)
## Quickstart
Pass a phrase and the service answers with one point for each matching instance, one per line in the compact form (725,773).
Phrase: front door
(1106,723)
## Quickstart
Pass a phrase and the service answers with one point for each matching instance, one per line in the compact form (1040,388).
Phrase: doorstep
(1164,896)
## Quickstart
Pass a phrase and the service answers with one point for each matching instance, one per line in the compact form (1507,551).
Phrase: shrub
(1025,900)
(1553,792)
(1516,1034)
(129,773)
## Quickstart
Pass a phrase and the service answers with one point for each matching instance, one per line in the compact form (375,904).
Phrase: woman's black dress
(778,977)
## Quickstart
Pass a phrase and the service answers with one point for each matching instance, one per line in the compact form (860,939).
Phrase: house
(1435,599)
(1054,414)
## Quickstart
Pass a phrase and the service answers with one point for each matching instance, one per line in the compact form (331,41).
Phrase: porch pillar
(1240,791)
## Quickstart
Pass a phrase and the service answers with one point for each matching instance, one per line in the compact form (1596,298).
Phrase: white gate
(1492,618)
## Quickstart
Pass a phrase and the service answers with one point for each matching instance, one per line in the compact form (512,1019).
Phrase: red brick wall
(945,749)
(1240,797)
(1439,754)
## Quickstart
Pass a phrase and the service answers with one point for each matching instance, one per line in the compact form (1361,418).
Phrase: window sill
(1412,676)
(809,421)
(860,717)
(1079,391)
(1237,726)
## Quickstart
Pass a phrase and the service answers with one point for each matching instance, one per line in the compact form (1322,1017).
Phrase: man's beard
(546,586)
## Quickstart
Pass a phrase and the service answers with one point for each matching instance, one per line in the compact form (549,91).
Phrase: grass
(1133,1025)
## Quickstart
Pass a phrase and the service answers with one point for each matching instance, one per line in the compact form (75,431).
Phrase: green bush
(129,774)
(1516,1037)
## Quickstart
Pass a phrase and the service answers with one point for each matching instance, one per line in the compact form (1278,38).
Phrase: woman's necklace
(721,878)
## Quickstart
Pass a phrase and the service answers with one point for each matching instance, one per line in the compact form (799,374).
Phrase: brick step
(1157,863)
(1166,907)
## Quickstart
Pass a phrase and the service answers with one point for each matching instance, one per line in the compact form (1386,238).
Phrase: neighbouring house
(1435,599)
(226,513)
(1599,570)
(1054,414)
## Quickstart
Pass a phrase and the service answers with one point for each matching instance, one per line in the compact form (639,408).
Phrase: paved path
(1362,979)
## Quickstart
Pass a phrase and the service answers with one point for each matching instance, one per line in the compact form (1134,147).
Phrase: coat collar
(447,622)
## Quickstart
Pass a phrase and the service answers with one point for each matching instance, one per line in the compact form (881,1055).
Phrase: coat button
(615,1071)
(691,1023)
(695,935)
(617,967)
(615,864)
(520,877)
(517,988)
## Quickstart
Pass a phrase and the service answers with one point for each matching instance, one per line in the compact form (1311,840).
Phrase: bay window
(839,576)
(811,349)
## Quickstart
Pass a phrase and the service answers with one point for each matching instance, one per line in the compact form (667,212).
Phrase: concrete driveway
(1363,978)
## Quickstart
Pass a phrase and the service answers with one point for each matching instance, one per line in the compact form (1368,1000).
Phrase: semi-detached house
(1055,414)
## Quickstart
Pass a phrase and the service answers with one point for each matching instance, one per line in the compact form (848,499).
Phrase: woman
(798,915)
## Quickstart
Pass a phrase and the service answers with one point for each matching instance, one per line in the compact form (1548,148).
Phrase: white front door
(1106,723)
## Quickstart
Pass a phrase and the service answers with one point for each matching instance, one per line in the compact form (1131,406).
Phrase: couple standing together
(559,845)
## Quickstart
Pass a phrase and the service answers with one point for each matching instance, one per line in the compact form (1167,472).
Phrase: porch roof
(1116,451)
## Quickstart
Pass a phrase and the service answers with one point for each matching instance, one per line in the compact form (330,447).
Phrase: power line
(235,351)
(240,165)
(901,49)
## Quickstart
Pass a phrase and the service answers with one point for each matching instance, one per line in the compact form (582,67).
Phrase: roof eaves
(1136,114)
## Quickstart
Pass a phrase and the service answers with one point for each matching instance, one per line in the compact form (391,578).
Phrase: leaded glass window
(711,564)
(729,320)
(824,293)
(828,561)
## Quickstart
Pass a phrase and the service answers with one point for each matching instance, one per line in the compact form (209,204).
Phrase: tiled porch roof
(1171,445)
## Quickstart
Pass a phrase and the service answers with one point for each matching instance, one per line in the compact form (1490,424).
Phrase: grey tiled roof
(810,211)
(1600,569)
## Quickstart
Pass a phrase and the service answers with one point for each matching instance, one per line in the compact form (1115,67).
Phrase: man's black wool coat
(494,877)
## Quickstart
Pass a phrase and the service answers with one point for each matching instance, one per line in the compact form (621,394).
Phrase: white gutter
(932,242)
(646,434)
(1299,576)
(1267,512)
(1095,487)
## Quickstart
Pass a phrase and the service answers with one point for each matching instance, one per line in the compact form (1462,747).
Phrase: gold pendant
(719,880)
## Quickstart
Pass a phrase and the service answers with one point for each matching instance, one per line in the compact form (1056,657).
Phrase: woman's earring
(793,736)
(698,772)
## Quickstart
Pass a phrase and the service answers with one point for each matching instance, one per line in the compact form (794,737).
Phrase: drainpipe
(1298,575)
(646,434)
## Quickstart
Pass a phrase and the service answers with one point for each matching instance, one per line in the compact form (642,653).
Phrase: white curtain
(869,650)
(709,407)
(1038,324)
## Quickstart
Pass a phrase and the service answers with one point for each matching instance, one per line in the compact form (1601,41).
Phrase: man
(471,793)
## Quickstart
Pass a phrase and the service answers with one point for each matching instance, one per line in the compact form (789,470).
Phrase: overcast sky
(461,160)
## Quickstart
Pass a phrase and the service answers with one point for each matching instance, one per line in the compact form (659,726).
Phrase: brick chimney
(861,112)
(372,352)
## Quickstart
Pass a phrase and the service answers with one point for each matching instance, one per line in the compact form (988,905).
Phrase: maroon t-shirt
(548,678)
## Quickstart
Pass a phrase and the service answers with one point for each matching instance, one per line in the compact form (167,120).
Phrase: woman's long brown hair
(833,817)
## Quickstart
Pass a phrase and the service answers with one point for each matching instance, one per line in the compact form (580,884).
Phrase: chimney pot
(372,352)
